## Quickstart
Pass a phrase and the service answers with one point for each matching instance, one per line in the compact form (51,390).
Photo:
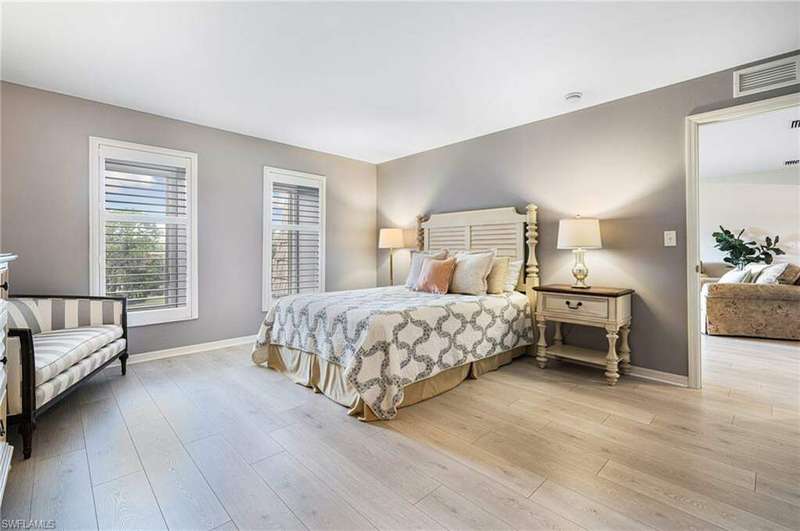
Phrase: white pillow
(512,277)
(417,257)
(476,251)
(770,274)
(735,276)
(469,276)
(755,271)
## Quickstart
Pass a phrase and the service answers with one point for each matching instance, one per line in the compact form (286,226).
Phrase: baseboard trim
(189,349)
(638,372)
(659,376)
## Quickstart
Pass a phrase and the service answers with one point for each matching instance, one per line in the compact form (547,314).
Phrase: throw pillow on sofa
(791,275)
(735,276)
(770,275)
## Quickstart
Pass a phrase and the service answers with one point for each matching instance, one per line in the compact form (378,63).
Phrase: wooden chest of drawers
(5,448)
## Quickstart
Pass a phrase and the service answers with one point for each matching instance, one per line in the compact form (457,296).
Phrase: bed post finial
(532,237)
(420,232)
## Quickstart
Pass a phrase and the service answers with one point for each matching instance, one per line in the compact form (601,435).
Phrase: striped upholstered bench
(54,345)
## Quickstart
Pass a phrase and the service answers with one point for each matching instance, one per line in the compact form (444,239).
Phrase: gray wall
(622,162)
(45,207)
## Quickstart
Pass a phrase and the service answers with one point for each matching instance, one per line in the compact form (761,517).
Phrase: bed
(377,350)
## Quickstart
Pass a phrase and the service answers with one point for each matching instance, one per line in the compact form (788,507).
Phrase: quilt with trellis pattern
(388,338)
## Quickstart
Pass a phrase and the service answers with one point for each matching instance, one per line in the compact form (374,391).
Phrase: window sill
(154,317)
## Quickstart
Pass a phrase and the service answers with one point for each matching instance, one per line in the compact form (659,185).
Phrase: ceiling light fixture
(573,97)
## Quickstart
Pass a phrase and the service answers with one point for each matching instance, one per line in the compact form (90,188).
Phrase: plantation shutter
(147,233)
(296,236)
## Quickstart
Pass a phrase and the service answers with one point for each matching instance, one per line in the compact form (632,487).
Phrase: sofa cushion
(58,350)
(76,373)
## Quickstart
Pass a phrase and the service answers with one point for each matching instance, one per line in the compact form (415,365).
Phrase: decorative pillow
(755,271)
(735,276)
(417,258)
(790,275)
(470,274)
(497,275)
(24,313)
(477,251)
(435,275)
(770,275)
(512,276)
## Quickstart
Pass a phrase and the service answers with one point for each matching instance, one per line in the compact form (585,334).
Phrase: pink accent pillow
(436,275)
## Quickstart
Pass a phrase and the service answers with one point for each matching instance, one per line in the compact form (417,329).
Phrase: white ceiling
(750,146)
(377,81)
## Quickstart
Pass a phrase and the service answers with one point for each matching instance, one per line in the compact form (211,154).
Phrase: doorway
(720,168)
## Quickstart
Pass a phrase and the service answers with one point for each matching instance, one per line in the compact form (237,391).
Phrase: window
(294,234)
(143,229)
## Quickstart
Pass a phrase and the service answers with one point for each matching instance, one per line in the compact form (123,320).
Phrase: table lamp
(579,234)
(391,239)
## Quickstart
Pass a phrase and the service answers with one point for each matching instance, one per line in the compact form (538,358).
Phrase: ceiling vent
(794,162)
(795,124)
(766,76)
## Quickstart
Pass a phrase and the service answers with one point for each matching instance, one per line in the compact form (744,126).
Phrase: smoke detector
(573,97)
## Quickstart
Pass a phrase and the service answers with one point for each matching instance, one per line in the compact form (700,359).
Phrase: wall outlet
(670,238)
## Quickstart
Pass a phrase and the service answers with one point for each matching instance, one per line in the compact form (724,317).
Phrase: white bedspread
(388,338)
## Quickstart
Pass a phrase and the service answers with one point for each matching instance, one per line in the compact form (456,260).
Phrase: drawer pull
(571,307)
(4,285)
(2,429)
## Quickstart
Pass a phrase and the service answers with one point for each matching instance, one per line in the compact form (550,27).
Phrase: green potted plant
(741,253)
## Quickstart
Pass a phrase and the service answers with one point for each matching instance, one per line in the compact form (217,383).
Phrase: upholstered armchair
(55,344)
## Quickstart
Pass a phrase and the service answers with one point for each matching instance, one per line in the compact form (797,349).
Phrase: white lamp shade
(579,233)
(391,239)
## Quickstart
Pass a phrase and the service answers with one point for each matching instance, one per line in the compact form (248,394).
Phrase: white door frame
(693,124)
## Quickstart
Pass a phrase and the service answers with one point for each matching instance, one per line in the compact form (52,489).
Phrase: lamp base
(391,267)
(580,271)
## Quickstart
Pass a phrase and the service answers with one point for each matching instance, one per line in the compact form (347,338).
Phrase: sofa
(55,344)
(753,310)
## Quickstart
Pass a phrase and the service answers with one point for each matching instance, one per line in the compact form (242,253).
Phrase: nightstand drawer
(584,306)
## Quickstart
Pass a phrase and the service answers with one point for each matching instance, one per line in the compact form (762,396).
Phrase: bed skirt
(326,377)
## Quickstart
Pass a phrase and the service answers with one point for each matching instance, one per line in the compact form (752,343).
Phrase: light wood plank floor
(210,441)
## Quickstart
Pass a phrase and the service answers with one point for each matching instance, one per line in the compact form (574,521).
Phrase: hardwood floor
(210,441)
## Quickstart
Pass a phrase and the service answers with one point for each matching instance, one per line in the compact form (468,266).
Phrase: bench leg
(26,430)
(123,361)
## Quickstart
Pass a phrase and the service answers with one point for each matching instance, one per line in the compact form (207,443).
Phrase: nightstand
(607,308)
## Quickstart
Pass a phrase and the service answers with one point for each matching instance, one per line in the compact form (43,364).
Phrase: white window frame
(99,150)
(271,175)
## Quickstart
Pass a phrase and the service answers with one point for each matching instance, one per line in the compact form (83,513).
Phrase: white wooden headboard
(503,229)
